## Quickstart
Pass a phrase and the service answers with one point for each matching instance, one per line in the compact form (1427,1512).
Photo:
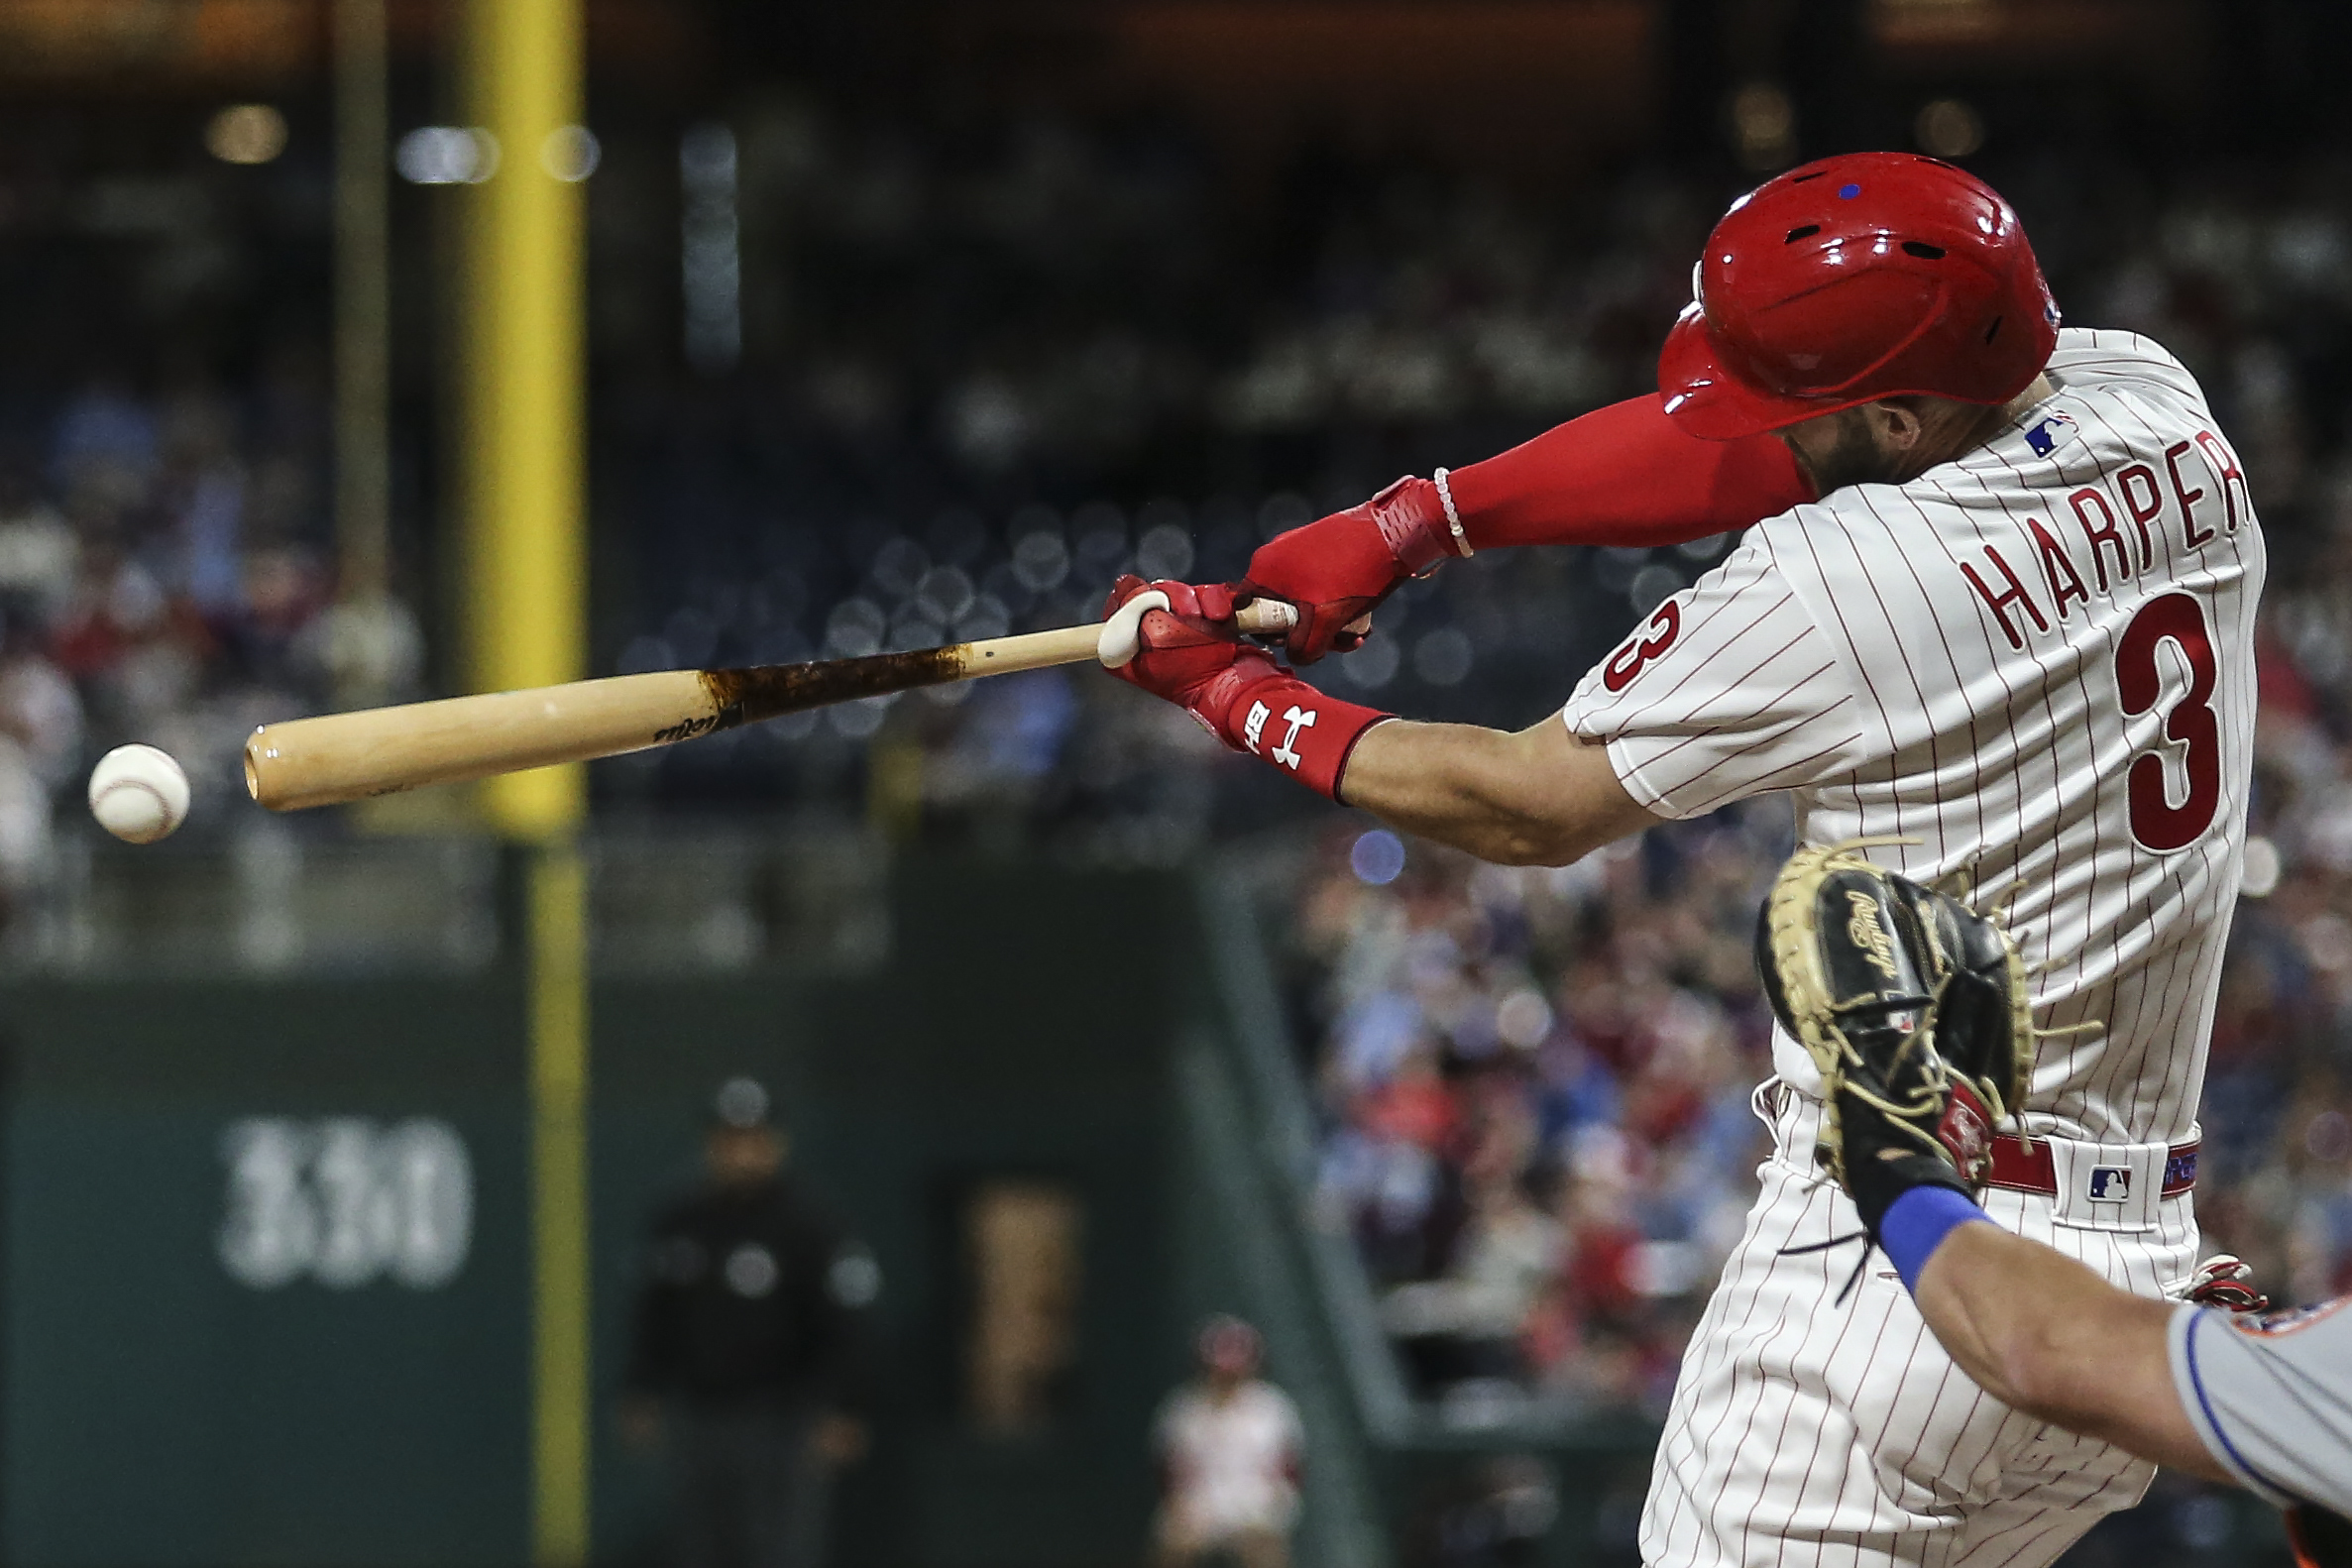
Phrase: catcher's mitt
(1914,1008)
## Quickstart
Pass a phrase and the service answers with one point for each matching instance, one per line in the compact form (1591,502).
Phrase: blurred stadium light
(571,154)
(246,132)
(710,263)
(447,155)
(1948,128)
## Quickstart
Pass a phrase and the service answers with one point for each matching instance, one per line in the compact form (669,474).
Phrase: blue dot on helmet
(1849,193)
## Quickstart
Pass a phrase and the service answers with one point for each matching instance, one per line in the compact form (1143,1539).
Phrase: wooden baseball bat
(338,758)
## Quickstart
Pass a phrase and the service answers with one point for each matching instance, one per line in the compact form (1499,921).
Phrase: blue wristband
(1917,1223)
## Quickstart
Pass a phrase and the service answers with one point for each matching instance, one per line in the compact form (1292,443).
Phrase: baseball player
(2004,627)
(747,1359)
(2261,1400)
(1909,1005)
(1231,1453)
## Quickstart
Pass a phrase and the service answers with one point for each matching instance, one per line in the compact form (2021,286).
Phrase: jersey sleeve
(2272,1400)
(1727,690)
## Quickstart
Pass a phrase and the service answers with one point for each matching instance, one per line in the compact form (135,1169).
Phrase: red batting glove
(1192,657)
(2226,1281)
(1337,569)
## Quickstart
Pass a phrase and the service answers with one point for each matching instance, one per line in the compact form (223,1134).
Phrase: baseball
(139,794)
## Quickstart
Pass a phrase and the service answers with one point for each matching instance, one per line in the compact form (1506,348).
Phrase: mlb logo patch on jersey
(2045,437)
(2110,1184)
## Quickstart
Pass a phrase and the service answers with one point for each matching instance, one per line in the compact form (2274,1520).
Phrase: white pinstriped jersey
(2039,661)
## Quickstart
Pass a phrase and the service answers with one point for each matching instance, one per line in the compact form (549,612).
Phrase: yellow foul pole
(525,370)
(525,600)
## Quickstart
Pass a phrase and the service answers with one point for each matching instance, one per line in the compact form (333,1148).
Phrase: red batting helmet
(1868,275)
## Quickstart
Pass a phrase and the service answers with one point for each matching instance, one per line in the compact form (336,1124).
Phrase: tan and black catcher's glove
(1913,1006)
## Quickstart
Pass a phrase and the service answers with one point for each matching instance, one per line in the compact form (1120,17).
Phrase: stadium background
(908,321)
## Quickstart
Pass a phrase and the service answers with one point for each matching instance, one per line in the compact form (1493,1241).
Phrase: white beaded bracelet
(1453,518)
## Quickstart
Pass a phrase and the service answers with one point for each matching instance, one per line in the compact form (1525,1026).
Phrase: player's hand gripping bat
(339,757)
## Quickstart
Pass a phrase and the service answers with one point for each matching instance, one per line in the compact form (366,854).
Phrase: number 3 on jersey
(2177,618)
(1665,625)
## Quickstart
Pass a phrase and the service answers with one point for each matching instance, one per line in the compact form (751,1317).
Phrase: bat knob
(1122,637)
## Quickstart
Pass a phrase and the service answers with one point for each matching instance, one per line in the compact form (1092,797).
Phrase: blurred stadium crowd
(162,577)
(987,367)
(1537,1089)
(1012,363)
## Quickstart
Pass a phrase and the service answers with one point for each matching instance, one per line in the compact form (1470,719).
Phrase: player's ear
(1896,424)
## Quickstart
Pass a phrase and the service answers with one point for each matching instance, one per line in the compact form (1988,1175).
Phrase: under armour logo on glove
(1288,753)
(1192,659)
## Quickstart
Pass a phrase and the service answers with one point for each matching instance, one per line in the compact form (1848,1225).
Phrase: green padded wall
(156,1409)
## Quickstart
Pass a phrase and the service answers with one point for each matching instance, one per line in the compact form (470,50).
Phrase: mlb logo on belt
(2110,1184)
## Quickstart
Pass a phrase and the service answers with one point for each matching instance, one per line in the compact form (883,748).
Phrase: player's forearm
(1624,475)
(2045,1335)
(1541,797)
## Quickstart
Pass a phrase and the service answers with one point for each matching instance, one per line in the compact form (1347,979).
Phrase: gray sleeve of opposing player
(2273,1403)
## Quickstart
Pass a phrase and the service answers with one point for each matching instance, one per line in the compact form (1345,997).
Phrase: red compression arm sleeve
(1625,475)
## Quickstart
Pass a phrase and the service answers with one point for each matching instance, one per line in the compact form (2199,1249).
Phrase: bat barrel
(339,757)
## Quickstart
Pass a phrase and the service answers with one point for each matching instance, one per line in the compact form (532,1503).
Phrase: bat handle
(1267,616)
(1121,637)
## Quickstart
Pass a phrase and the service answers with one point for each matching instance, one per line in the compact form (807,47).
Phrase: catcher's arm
(1540,797)
(1914,1009)
(2045,1335)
